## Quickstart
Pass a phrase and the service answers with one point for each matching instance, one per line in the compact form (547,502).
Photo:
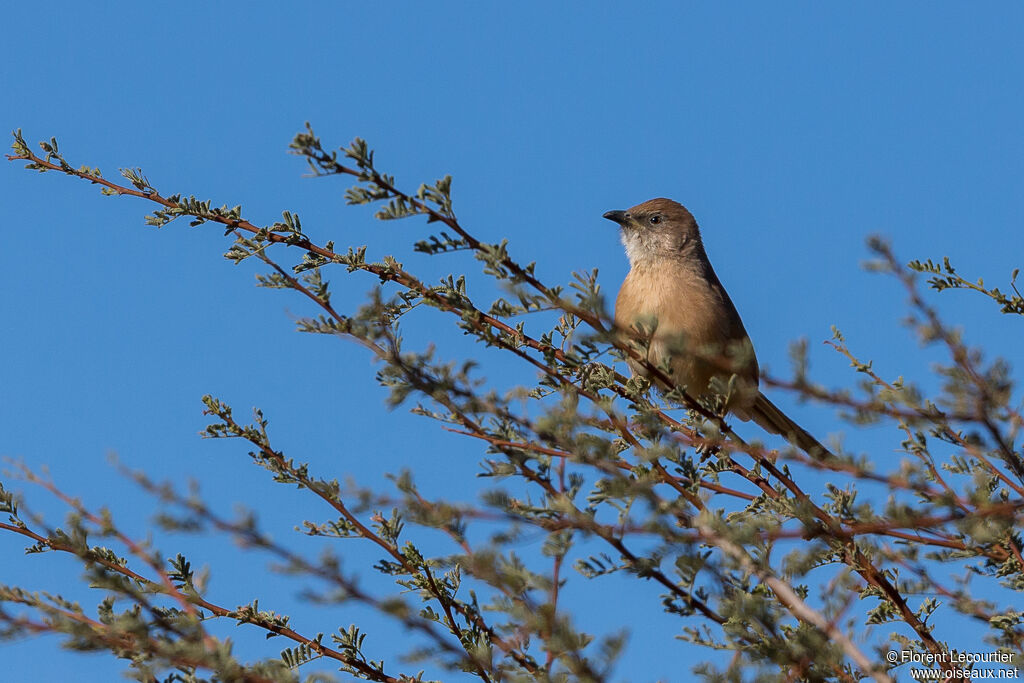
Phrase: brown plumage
(673,298)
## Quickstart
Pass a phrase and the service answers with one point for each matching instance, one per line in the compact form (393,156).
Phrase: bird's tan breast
(681,309)
(676,301)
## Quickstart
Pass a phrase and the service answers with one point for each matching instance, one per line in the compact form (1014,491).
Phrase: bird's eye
(655,219)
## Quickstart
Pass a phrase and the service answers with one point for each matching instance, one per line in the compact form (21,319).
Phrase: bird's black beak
(620,217)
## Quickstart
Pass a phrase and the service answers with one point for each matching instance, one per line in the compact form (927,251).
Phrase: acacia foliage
(795,580)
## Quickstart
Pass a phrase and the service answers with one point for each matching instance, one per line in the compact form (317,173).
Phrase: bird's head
(657,229)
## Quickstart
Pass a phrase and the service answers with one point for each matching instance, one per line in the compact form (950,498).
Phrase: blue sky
(792,131)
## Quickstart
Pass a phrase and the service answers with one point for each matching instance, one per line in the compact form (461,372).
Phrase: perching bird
(672,297)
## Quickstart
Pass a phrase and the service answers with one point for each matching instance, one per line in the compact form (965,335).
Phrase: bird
(674,302)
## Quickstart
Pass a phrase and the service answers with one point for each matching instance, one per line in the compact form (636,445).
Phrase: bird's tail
(767,415)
